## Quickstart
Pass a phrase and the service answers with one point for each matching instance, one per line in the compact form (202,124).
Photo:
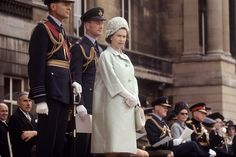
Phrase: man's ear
(53,6)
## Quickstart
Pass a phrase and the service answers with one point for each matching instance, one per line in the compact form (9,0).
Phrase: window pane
(16,85)
(6,88)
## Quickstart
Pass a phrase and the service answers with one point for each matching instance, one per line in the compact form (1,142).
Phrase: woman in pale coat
(115,96)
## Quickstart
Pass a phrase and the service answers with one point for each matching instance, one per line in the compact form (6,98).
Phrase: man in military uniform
(50,78)
(157,130)
(200,134)
(84,55)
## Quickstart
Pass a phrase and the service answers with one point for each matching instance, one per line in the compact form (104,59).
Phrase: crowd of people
(210,134)
(100,83)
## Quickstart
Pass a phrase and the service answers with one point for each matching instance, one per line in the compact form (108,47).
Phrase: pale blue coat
(113,120)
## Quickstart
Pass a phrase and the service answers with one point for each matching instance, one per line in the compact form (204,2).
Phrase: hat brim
(203,111)
(166,105)
(97,18)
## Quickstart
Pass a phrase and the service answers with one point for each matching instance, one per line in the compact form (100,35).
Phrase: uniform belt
(58,63)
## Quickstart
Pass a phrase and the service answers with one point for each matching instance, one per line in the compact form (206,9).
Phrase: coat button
(90,89)
(129,80)
(126,65)
(52,73)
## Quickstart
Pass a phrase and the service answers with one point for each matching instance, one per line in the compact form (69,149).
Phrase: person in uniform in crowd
(208,124)
(50,78)
(4,141)
(217,136)
(23,128)
(209,110)
(230,135)
(115,97)
(157,130)
(200,134)
(84,57)
(181,111)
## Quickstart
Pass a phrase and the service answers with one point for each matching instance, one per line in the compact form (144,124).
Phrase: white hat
(115,24)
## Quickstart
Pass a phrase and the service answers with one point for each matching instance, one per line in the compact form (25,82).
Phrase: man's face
(94,28)
(25,103)
(61,10)
(161,110)
(199,116)
(3,111)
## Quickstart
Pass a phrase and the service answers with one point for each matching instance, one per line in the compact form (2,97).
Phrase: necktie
(96,48)
(62,31)
(28,116)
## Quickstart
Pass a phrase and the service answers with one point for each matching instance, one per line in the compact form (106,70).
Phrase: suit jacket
(84,75)
(17,124)
(4,148)
(156,134)
(47,82)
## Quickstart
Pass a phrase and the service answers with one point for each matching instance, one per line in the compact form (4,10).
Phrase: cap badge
(100,13)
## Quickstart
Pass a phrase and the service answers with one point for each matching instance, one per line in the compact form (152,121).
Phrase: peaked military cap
(200,106)
(47,2)
(209,122)
(93,14)
(216,115)
(162,101)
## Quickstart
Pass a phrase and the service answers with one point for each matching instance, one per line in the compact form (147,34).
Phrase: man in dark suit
(50,78)
(84,55)
(22,128)
(4,142)
(157,130)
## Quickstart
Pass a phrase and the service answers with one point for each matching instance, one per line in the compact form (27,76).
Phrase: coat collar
(116,53)
(57,25)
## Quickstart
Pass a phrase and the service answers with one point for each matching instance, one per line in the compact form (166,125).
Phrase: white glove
(42,108)
(77,88)
(131,100)
(82,112)
(212,153)
(177,141)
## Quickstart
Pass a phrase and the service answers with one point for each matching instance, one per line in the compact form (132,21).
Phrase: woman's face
(182,115)
(118,39)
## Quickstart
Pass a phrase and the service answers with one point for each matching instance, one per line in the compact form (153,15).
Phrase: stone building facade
(183,49)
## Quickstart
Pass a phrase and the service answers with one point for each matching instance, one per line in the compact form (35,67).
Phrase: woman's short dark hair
(108,39)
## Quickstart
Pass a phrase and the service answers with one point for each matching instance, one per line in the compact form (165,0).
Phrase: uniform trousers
(190,149)
(51,130)
(83,143)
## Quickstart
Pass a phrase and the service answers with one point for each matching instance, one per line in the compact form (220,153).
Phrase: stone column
(226,31)
(191,28)
(215,30)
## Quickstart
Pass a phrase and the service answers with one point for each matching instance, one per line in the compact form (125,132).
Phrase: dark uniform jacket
(48,82)
(17,124)
(157,133)
(83,59)
(199,135)
(4,149)
(216,141)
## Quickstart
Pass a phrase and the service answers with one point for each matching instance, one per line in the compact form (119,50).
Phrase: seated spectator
(22,128)
(200,134)
(157,130)
(230,133)
(218,135)
(4,141)
(181,110)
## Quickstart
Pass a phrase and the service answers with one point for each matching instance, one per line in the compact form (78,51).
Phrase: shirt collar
(25,113)
(157,116)
(56,20)
(90,38)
